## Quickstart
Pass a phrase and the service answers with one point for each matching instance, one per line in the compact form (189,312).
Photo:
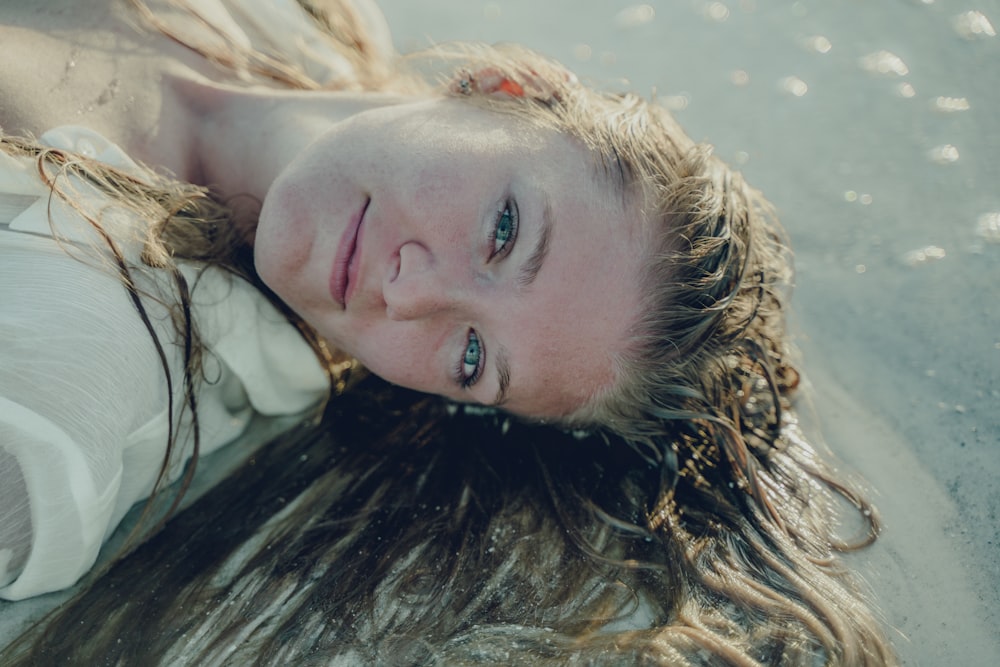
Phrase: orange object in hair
(511,88)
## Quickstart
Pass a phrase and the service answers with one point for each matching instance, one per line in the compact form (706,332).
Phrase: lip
(345,268)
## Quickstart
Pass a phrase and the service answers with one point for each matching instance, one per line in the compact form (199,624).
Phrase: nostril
(394,265)
(410,259)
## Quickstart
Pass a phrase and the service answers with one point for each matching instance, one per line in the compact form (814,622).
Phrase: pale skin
(479,258)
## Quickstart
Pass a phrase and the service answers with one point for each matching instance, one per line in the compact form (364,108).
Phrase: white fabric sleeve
(15,512)
(78,374)
(51,535)
(83,396)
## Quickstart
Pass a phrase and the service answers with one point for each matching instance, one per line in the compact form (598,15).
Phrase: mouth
(343,277)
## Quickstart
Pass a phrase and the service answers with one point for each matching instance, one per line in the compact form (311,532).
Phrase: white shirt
(83,395)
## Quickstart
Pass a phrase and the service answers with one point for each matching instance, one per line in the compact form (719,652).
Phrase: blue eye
(505,229)
(471,366)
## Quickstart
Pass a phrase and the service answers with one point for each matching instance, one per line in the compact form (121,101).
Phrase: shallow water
(875,132)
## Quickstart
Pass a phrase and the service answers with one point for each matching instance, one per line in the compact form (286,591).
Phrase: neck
(245,137)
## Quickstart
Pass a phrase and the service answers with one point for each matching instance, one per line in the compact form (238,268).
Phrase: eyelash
(508,212)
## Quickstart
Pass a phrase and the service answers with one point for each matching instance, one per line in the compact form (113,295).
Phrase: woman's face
(460,252)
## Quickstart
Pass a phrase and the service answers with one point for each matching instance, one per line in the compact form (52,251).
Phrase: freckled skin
(436,175)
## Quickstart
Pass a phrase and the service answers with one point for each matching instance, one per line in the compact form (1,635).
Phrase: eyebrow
(529,271)
(503,376)
(526,276)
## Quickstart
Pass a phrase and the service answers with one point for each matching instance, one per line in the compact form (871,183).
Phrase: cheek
(285,241)
(444,199)
(274,255)
(400,356)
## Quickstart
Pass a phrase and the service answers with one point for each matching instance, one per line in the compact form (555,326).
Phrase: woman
(457,244)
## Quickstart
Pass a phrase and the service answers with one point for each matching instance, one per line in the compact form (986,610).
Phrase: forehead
(566,331)
(471,126)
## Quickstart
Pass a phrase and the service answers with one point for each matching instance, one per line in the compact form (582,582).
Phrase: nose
(420,287)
